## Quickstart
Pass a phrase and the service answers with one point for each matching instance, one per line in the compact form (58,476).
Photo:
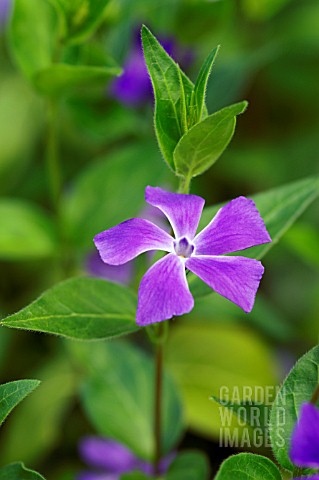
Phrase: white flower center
(183,247)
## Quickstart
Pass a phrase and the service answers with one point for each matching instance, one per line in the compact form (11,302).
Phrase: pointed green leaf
(80,308)
(32,42)
(297,388)
(62,78)
(172,91)
(279,207)
(17,471)
(13,393)
(201,82)
(26,231)
(118,396)
(247,466)
(204,143)
(190,465)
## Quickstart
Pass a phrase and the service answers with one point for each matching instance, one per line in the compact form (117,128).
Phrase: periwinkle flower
(304,450)
(5,8)
(133,87)
(111,459)
(164,291)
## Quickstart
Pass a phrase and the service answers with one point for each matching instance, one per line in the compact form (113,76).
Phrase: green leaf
(32,42)
(26,231)
(203,358)
(201,83)
(80,17)
(62,78)
(279,207)
(17,471)
(247,466)
(204,143)
(111,190)
(172,91)
(80,308)
(43,413)
(118,396)
(134,476)
(297,388)
(13,393)
(303,240)
(189,466)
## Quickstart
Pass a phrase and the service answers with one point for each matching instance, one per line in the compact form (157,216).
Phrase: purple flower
(5,8)
(134,87)
(163,291)
(304,450)
(111,459)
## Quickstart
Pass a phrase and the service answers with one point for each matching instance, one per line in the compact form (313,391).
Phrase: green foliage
(26,231)
(172,91)
(13,393)
(17,471)
(205,357)
(247,411)
(80,308)
(62,78)
(297,388)
(33,42)
(189,466)
(118,397)
(203,144)
(247,466)
(201,84)
(279,207)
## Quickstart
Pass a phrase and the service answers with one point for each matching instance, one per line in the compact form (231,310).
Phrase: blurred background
(103,134)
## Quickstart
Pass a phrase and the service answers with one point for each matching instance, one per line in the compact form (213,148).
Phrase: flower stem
(158,406)
(184,184)
(52,158)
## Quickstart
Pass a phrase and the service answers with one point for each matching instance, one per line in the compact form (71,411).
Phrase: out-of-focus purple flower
(164,291)
(304,449)
(111,459)
(133,87)
(122,274)
(5,9)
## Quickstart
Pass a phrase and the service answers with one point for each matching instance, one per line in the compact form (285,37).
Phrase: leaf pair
(190,140)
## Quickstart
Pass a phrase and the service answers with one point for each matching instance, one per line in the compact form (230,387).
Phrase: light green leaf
(43,413)
(201,83)
(190,465)
(26,231)
(80,308)
(32,35)
(17,471)
(279,207)
(62,78)
(111,190)
(172,91)
(13,393)
(247,466)
(118,397)
(303,240)
(297,388)
(203,358)
(204,143)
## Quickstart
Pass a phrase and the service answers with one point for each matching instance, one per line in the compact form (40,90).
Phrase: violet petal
(129,239)
(235,278)
(106,454)
(236,226)
(121,274)
(163,292)
(304,450)
(183,211)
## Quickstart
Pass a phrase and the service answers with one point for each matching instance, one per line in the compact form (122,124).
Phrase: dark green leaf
(32,35)
(172,91)
(204,143)
(13,393)
(26,231)
(297,388)
(80,308)
(189,466)
(201,83)
(247,466)
(62,78)
(17,471)
(119,397)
